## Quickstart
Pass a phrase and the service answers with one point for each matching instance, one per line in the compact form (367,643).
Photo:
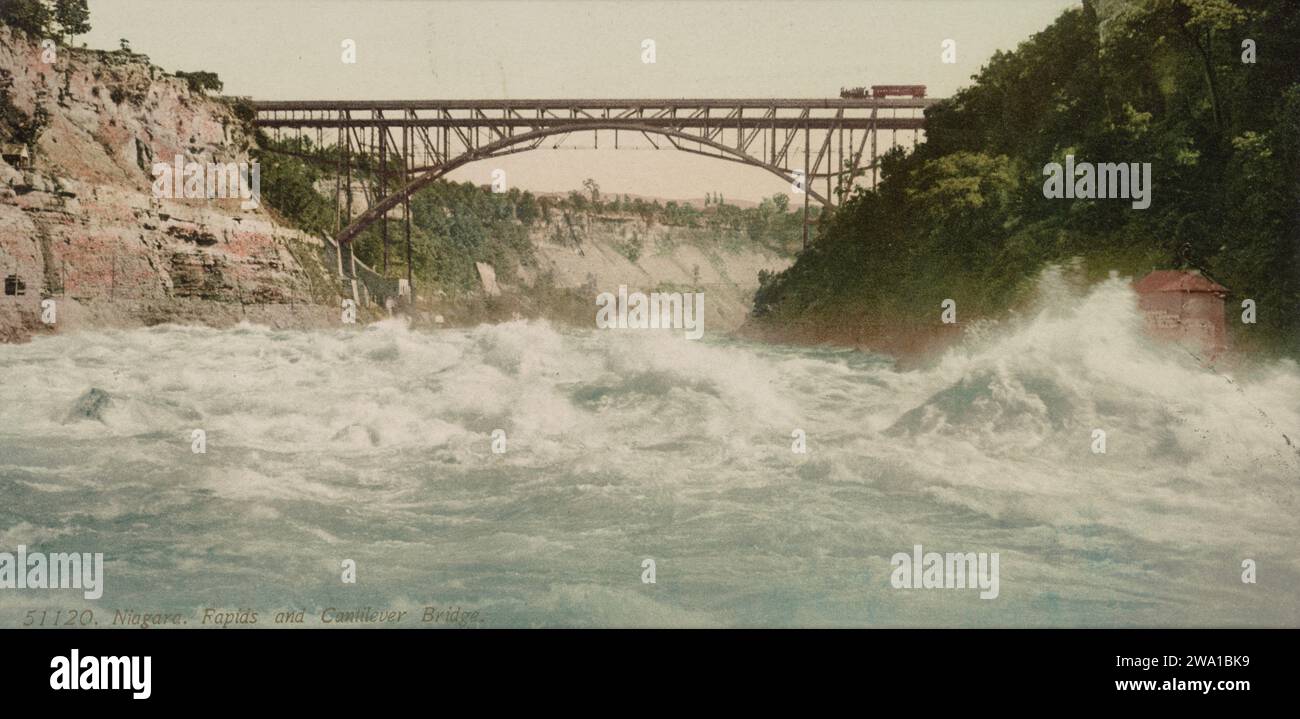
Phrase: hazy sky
(412,49)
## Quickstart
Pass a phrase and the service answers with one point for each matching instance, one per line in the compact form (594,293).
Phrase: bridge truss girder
(839,138)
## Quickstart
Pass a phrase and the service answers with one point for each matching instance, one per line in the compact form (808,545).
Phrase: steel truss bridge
(398,147)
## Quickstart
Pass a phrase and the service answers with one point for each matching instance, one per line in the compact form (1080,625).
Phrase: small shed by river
(1186,307)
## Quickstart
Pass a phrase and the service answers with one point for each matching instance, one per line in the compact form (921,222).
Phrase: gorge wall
(79,224)
(596,253)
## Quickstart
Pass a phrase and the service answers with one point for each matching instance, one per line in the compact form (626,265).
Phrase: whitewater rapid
(375,444)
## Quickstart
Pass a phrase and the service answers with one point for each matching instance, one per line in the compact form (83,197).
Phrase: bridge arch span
(510,144)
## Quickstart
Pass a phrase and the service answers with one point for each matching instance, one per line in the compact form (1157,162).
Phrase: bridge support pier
(406,208)
(807,185)
(383,186)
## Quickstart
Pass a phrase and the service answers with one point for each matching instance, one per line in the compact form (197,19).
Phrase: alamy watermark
(59,570)
(655,310)
(209,181)
(75,672)
(954,570)
(1102,181)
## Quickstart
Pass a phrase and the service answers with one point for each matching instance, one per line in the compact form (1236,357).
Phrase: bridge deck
(603,103)
(680,113)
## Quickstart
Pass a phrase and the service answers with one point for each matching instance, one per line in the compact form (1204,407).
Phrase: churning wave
(376,444)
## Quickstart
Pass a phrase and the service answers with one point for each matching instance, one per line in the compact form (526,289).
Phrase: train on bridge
(883,91)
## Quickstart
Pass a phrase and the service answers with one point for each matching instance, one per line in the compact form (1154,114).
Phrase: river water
(375,445)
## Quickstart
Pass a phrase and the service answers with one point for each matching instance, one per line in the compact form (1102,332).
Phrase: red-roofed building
(1186,307)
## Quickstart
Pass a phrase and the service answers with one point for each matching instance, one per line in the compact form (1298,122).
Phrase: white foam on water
(375,444)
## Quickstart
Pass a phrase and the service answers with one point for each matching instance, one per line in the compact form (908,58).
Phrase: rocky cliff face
(597,253)
(80,224)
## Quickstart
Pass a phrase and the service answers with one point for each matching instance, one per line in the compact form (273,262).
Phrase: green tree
(73,17)
(527,209)
(592,189)
(201,81)
(1199,23)
(30,16)
(288,185)
(964,199)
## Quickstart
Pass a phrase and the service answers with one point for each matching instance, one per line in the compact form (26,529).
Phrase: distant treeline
(771,223)
(1169,82)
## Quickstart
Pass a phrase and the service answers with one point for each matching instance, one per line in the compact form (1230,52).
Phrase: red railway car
(879,91)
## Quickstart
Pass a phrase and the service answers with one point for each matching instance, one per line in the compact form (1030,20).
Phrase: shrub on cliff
(30,16)
(289,185)
(16,125)
(201,81)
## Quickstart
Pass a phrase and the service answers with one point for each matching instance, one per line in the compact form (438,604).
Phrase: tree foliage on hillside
(15,125)
(454,225)
(964,216)
(73,17)
(41,18)
(201,81)
(31,16)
